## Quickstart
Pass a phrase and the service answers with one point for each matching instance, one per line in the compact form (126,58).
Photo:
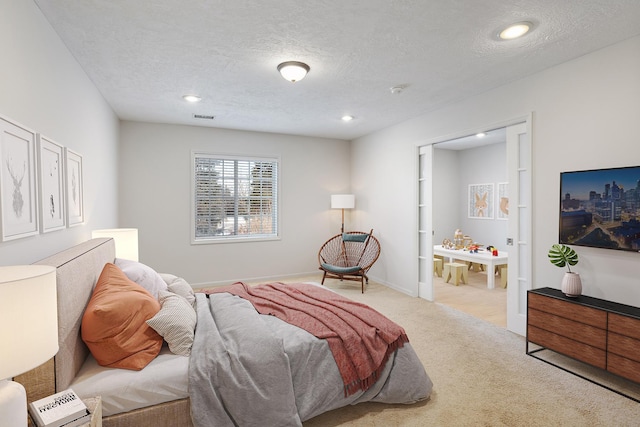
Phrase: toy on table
(448,244)
(458,239)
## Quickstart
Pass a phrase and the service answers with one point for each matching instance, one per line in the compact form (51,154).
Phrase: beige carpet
(481,375)
(474,298)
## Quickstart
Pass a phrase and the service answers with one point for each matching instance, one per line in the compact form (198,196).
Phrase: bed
(232,371)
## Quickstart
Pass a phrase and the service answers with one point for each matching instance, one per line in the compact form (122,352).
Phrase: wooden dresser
(595,331)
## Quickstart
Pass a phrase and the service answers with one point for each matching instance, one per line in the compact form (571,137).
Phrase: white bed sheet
(122,390)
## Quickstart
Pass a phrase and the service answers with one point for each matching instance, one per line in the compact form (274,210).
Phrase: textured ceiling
(144,55)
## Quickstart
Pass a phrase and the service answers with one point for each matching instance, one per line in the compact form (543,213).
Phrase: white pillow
(176,322)
(143,275)
(179,286)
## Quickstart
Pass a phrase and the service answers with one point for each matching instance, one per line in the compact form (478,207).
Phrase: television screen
(601,208)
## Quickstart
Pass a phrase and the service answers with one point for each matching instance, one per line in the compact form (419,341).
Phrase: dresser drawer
(568,328)
(624,346)
(575,349)
(624,367)
(568,310)
(623,325)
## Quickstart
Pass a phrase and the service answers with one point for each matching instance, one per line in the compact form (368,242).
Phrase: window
(234,198)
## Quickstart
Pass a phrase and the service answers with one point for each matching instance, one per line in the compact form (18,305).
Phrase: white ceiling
(143,55)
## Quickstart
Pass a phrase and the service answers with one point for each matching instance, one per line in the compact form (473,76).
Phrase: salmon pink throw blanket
(361,339)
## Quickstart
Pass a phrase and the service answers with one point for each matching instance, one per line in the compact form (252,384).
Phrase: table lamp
(126,240)
(343,201)
(28,332)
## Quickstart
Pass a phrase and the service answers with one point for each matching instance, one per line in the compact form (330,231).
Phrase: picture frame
(74,188)
(18,187)
(481,201)
(502,201)
(598,208)
(52,185)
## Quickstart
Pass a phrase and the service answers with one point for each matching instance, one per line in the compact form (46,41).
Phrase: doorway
(450,173)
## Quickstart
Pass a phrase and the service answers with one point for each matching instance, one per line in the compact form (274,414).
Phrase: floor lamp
(343,201)
(28,332)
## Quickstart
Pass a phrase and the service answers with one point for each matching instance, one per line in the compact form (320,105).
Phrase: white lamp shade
(28,318)
(126,240)
(343,201)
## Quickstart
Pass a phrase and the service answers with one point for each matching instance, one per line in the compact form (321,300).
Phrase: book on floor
(58,410)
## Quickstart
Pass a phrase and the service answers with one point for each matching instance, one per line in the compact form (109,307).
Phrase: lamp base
(13,404)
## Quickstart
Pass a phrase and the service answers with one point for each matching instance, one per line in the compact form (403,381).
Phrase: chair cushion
(346,237)
(340,270)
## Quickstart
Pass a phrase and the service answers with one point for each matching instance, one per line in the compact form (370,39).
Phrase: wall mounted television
(600,208)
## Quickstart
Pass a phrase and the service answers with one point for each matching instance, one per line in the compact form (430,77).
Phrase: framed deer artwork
(18,187)
(481,201)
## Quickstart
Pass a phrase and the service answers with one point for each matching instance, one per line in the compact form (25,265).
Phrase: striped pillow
(176,322)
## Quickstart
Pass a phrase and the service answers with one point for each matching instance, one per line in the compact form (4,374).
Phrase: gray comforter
(248,369)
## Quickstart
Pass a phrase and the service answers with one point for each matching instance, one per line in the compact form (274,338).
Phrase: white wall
(482,165)
(43,88)
(155,197)
(387,202)
(446,186)
(454,171)
(584,116)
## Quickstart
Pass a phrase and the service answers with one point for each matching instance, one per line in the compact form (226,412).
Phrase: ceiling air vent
(203,116)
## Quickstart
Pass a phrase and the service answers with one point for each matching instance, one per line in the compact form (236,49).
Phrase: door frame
(519,162)
(425,221)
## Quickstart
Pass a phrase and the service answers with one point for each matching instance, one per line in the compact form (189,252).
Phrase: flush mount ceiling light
(347,118)
(191,98)
(515,30)
(293,71)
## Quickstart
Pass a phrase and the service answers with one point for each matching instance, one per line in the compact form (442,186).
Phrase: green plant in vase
(563,256)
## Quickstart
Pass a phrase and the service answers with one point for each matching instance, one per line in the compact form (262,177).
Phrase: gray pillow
(179,286)
(143,275)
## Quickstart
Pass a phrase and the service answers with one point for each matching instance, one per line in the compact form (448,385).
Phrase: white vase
(571,284)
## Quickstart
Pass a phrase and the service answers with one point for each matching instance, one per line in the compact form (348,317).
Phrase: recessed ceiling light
(481,134)
(515,30)
(347,118)
(191,98)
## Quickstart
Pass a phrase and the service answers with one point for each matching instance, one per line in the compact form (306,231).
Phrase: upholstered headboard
(78,269)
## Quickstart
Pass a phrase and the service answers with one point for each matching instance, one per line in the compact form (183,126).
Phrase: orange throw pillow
(114,323)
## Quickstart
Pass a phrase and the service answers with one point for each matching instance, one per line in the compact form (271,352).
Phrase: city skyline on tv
(580,183)
(601,208)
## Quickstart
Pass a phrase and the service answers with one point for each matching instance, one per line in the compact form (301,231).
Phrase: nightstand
(94,404)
